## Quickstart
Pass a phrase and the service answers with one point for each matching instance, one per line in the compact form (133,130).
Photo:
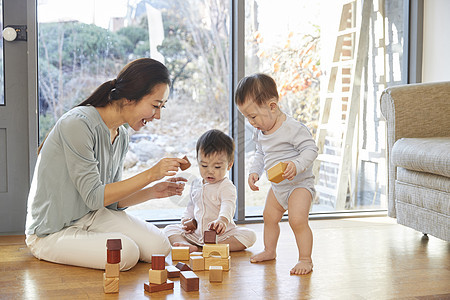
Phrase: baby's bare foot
(302,267)
(263,256)
(192,248)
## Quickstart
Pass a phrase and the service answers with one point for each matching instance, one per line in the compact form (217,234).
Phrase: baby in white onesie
(212,201)
(280,138)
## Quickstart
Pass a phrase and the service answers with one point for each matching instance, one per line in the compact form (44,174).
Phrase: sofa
(418,156)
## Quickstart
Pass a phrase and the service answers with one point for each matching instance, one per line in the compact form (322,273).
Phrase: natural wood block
(114,244)
(215,274)
(180,253)
(275,174)
(191,224)
(197,263)
(189,281)
(197,253)
(113,256)
(210,237)
(158,262)
(112,270)
(183,267)
(172,271)
(218,261)
(185,166)
(110,285)
(216,249)
(152,287)
(157,276)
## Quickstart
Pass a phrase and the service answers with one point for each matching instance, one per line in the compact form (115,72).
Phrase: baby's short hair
(215,141)
(258,87)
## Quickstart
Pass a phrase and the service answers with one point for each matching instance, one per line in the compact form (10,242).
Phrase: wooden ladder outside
(335,136)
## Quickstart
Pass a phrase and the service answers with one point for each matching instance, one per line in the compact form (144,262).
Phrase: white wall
(436,41)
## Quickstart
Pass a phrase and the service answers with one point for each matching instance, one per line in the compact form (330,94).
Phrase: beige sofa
(418,155)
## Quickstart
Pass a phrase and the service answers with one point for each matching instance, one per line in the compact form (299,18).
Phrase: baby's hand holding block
(275,174)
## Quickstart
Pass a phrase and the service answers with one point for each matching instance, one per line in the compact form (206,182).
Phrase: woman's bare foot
(302,267)
(192,248)
(262,256)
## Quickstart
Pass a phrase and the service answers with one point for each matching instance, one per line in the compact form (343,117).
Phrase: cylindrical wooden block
(113,256)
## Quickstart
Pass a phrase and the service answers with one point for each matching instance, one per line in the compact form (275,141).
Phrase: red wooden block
(191,224)
(158,262)
(172,271)
(189,281)
(114,244)
(185,166)
(152,287)
(113,256)
(183,267)
(209,237)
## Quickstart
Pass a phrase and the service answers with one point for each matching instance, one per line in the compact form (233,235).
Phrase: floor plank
(355,258)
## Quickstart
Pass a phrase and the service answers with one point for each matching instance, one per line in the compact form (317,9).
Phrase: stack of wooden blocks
(157,275)
(214,258)
(112,267)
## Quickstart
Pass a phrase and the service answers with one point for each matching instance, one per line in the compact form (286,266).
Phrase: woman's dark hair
(215,141)
(257,87)
(135,80)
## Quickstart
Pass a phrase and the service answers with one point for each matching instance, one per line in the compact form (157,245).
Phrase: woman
(77,198)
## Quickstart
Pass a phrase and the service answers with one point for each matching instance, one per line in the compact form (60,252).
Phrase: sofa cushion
(431,155)
(428,180)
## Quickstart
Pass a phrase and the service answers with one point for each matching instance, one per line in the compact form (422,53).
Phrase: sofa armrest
(413,110)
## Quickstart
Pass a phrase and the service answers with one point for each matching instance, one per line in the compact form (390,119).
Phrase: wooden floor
(357,258)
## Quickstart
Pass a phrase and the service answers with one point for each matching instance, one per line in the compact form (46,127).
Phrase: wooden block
(110,285)
(152,287)
(158,262)
(112,270)
(113,256)
(189,281)
(215,274)
(197,263)
(157,276)
(198,253)
(114,244)
(191,224)
(275,173)
(185,166)
(183,267)
(210,237)
(216,249)
(172,271)
(180,253)
(218,261)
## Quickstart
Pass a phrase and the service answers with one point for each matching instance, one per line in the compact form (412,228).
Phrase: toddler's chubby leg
(234,244)
(299,205)
(273,212)
(177,240)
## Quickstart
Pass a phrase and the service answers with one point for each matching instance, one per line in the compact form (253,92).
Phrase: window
(294,42)
(84,43)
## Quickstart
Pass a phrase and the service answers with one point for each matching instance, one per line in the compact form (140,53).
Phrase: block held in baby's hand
(275,174)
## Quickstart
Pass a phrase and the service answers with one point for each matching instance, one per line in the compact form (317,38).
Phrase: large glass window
(84,43)
(294,42)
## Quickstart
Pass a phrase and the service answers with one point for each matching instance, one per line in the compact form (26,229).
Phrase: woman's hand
(171,187)
(219,225)
(165,167)
(252,179)
(290,171)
